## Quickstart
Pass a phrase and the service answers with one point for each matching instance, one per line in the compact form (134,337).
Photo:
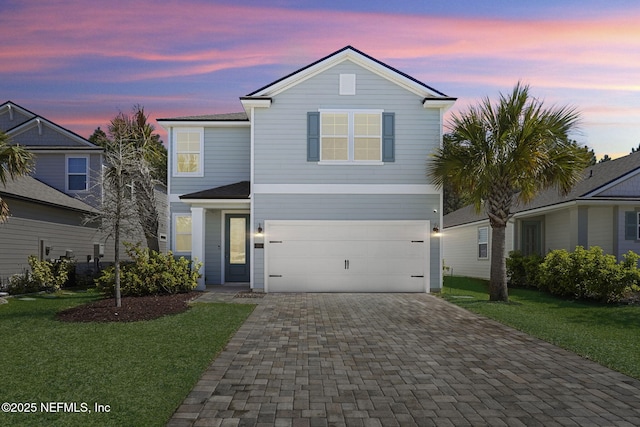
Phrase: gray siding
(20,237)
(626,188)
(18,118)
(346,207)
(280,141)
(227,159)
(50,168)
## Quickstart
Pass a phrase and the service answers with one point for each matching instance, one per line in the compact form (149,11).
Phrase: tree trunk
(498,280)
(117,266)
(148,210)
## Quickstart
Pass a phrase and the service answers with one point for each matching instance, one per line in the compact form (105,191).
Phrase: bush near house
(150,273)
(45,275)
(523,270)
(583,273)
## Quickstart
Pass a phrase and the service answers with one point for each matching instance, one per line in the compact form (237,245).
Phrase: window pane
(188,142)
(77,165)
(77,182)
(335,149)
(238,240)
(335,124)
(183,233)
(366,124)
(183,224)
(188,162)
(483,234)
(183,243)
(367,149)
(482,251)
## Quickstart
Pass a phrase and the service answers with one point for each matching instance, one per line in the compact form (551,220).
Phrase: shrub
(589,274)
(45,275)
(150,273)
(522,271)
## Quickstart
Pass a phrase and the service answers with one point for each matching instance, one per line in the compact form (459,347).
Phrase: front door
(236,268)
(531,238)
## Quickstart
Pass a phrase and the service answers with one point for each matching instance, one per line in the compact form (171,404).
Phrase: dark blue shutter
(313,136)
(631,225)
(388,137)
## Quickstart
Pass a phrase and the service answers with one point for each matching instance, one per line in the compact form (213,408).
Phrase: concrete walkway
(398,360)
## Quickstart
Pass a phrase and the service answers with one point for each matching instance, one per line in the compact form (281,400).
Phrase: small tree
(15,161)
(150,167)
(118,214)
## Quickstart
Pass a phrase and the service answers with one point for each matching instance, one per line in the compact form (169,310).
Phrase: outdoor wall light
(259,228)
(436,229)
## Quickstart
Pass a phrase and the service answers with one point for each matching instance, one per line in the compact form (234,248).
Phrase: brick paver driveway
(398,359)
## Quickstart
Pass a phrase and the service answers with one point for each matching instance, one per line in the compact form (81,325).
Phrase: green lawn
(142,370)
(607,334)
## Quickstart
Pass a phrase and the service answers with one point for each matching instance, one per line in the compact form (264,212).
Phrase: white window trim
(174,152)
(351,144)
(482,243)
(638,225)
(66,173)
(174,218)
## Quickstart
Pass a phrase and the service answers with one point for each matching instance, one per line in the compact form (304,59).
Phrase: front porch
(221,236)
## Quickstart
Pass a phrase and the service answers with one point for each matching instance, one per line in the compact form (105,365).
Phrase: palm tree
(15,161)
(507,153)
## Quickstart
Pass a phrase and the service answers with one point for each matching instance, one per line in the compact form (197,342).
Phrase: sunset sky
(78,63)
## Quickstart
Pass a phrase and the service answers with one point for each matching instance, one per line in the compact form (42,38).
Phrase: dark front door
(236,253)
(531,238)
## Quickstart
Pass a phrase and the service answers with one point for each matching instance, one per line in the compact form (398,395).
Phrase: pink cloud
(189,39)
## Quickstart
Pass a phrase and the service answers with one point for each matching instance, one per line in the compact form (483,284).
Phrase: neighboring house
(47,208)
(319,185)
(603,209)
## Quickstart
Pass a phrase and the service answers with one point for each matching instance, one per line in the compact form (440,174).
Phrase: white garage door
(347,256)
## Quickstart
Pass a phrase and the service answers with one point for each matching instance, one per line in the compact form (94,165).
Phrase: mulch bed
(133,308)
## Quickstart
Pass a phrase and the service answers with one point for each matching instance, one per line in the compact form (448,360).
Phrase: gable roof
(30,189)
(595,179)
(9,105)
(360,58)
(39,121)
(34,120)
(238,190)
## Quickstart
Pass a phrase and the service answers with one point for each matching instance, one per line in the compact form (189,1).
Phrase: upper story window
(77,173)
(188,153)
(351,136)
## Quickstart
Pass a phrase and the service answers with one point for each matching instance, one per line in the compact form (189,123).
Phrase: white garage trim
(346,256)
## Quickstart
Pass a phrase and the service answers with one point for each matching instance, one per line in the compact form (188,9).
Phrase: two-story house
(318,186)
(47,208)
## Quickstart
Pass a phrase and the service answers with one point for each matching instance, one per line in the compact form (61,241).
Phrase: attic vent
(347,84)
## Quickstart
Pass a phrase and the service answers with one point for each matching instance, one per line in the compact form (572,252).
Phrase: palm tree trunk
(498,279)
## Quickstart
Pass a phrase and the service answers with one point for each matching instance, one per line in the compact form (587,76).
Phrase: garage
(346,256)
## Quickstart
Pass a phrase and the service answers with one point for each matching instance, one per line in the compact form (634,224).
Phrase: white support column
(198,241)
